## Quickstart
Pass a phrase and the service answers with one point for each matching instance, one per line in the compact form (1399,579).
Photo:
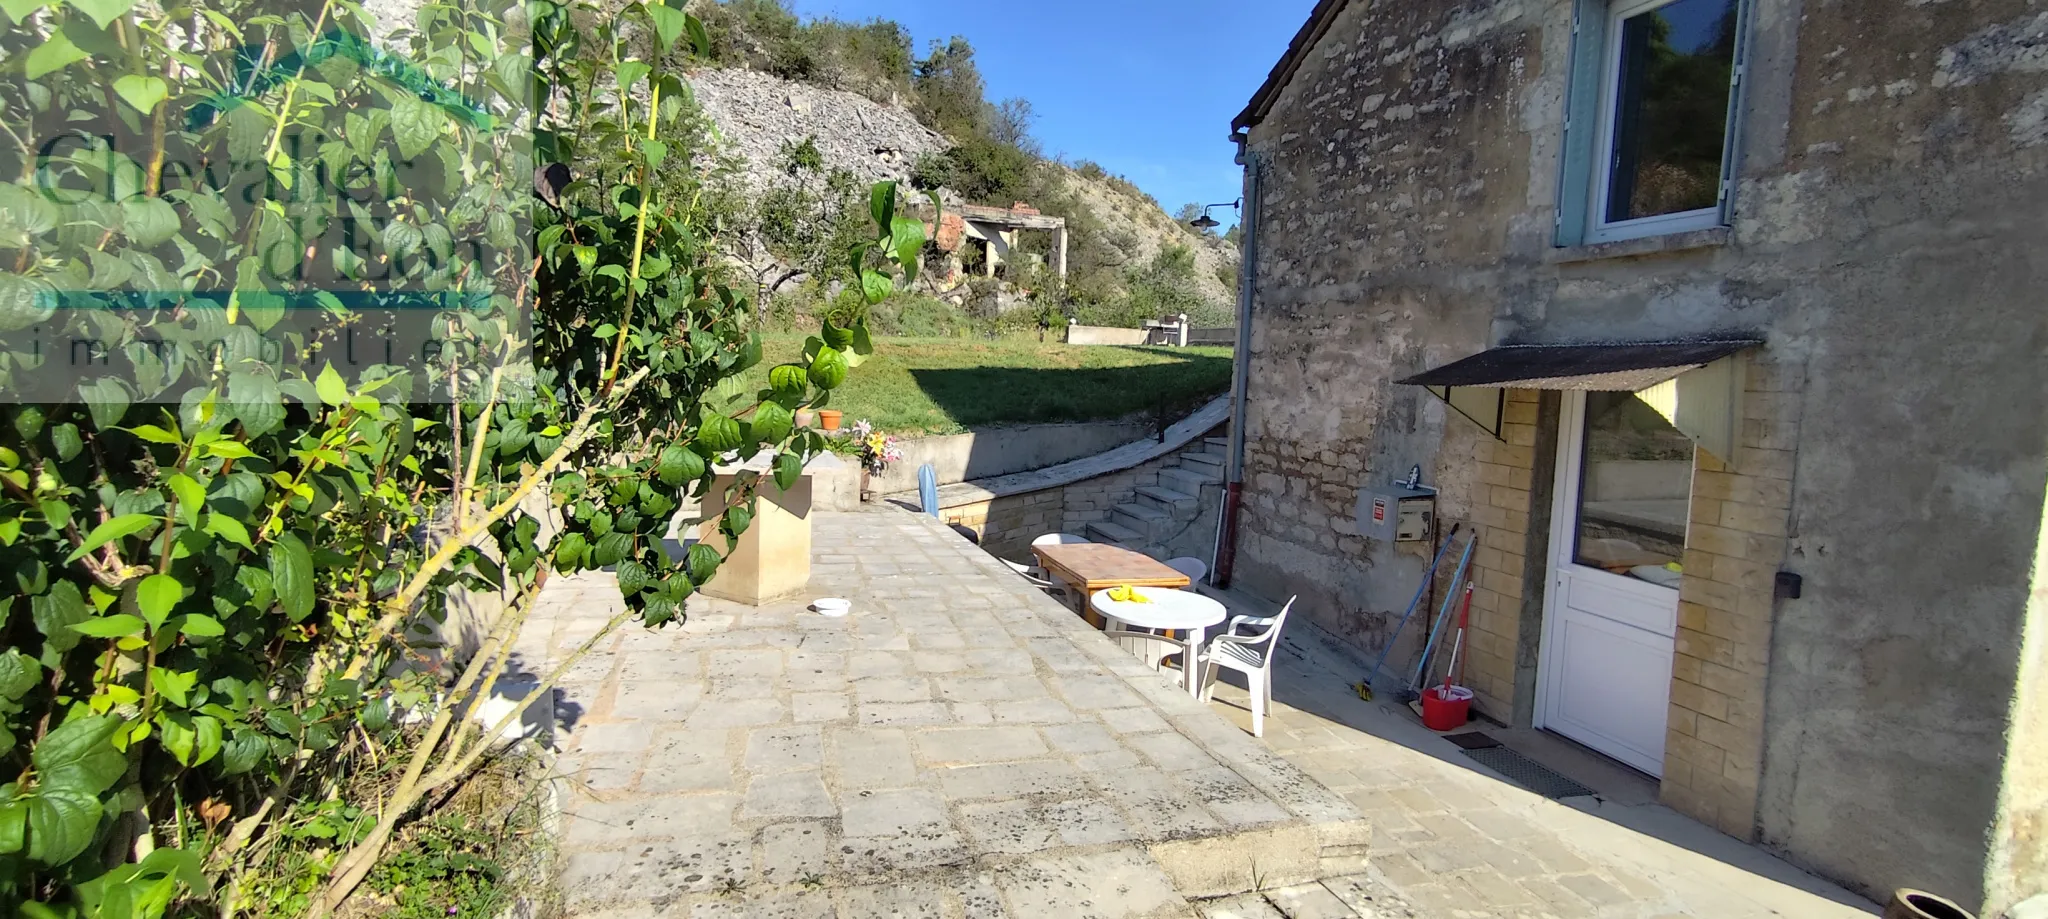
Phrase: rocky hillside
(759,116)
(1117,204)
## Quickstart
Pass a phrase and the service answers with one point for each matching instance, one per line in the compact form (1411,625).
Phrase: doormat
(1527,772)
(1472,740)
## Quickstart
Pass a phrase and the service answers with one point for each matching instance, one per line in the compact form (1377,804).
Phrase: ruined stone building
(1722,322)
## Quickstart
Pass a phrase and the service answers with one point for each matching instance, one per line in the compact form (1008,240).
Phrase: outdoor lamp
(1206,222)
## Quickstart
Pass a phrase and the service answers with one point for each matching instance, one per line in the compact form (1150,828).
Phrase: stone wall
(1005,526)
(1887,218)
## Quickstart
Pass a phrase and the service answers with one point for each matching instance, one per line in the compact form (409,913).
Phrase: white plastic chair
(1191,566)
(1059,539)
(1151,647)
(1251,655)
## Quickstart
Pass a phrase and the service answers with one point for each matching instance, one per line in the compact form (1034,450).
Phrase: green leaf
(148,222)
(107,400)
(836,338)
(191,497)
(679,464)
(155,597)
(144,93)
(66,439)
(875,285)
(243,752)
(882,204)
(772,423)
(19,673)
(175,685)
(329,384)
(103,12)
(192,739)
(415,124)
(54,54)
(229,449)
(55,613)
(906,238)
(154,434)
(230,529)
(788,466)
(737,519)
(61,824)
(789,379)
(291,575)
(80,755)
(669,24)
(610,549)
(570,551)
(119,625)
(198,626)
(718,433)
(124,525)
(19,11)
(13,823)
(828,369)
(700,40)
(630,73)
(655,151)
(703,562)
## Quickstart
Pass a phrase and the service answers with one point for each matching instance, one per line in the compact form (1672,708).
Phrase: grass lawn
(949,385)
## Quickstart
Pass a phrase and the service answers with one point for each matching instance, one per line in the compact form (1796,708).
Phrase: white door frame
(1562,563)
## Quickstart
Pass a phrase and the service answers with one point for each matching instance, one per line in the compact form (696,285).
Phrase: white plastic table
(1178,610)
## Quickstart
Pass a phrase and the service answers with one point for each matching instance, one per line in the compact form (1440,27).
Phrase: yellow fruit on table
(1128,594)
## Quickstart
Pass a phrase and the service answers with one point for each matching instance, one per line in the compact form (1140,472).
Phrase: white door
(1611,615)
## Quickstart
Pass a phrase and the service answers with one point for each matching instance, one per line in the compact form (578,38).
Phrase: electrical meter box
(1396,513)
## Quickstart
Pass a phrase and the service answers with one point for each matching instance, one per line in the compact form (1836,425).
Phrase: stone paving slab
(962,745)
(1454,840)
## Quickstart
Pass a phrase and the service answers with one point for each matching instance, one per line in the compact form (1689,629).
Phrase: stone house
(1722,323)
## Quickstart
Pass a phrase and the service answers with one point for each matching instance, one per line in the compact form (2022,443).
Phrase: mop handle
(1458,646)
(1417,601)
(1443,616)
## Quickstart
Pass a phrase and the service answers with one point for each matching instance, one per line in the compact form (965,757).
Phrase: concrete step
(1144,518)
(1180,504)
(1117,533)
(1203,463)
(1189,481)
(1218,445)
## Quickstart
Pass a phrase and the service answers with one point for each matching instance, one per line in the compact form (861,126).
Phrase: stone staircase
(1173,511)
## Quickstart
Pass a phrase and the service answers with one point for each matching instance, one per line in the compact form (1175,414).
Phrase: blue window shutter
(1582,120)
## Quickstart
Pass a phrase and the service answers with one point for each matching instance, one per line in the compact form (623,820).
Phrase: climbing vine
(301,331)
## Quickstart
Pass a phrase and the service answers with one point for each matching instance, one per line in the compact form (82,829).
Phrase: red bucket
(1446,708)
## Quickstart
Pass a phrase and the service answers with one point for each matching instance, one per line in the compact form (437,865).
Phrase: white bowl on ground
(832,607)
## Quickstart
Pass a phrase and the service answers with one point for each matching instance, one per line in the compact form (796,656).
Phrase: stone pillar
(1181,336)
(1059,248)
(772,559)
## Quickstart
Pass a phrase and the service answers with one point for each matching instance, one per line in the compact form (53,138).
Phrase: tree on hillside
(949,89)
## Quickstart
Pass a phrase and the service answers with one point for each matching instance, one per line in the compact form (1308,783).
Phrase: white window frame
(1594,179)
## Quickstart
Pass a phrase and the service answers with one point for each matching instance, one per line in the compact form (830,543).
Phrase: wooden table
(1091,566)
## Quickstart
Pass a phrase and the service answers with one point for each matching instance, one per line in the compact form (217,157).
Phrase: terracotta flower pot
(828,418)
(1916,904)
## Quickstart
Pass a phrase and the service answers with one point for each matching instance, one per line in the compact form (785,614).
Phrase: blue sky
(1147,88)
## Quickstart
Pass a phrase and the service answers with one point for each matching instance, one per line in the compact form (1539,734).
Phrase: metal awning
(1623,367)
(1475,385)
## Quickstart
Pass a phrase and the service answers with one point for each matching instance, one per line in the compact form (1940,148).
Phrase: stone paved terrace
(961,746)
(1455,840)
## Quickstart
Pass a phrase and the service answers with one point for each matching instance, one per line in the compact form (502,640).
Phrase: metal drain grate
(1527,772)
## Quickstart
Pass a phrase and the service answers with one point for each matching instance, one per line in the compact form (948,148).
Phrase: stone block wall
(1735,545)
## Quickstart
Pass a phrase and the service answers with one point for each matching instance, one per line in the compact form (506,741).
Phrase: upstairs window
(1648,139)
